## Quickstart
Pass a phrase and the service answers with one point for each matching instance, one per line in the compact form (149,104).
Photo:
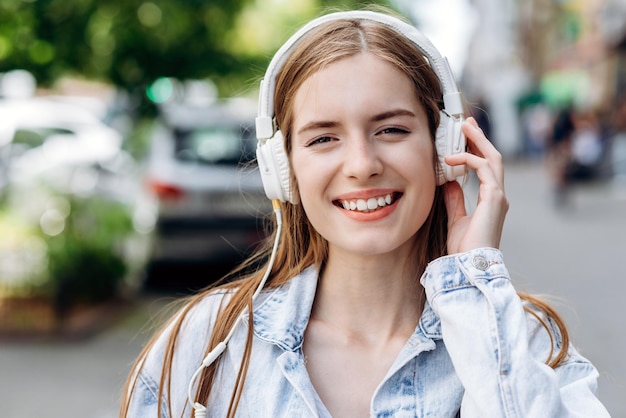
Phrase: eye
(320,140)
(393,130)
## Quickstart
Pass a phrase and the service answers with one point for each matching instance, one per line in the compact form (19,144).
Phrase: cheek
(311,181)
(303,178)
(307,187)
(420,161)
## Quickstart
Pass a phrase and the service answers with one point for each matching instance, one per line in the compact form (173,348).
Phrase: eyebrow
(392,113)
(318,125)
(376,118)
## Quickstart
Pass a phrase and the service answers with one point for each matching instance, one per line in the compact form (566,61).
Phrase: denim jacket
(474,353)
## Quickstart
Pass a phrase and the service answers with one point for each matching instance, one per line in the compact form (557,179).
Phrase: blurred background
(127,176)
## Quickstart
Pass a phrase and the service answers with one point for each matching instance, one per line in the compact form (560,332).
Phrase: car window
(25,139)
(31,138)
(229,145)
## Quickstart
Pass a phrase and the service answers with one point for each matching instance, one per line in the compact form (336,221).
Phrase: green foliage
(354,4)
(131,43)
(85,261)
(23,256)
(79,259)
(127,43)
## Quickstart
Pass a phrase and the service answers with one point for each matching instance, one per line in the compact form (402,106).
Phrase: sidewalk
(575,255)
(75,378)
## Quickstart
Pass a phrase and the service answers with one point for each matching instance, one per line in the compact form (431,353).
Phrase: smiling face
(362,156)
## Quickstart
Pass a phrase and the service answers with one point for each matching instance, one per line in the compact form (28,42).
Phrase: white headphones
(271,155)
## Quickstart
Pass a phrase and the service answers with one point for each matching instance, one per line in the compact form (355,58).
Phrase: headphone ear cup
(274,167)
(449,140)
(440,146)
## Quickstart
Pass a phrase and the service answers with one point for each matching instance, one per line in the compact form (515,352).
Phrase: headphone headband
(265,126)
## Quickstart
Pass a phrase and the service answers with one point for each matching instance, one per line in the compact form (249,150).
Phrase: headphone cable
(200,410)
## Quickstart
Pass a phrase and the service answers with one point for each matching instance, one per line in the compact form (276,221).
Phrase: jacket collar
(281,315)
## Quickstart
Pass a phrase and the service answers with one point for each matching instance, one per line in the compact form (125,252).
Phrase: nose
(362,159)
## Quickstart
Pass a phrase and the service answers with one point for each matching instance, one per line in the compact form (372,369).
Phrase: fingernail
(470,124)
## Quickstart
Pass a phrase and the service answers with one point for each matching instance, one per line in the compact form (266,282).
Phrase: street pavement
(573,255)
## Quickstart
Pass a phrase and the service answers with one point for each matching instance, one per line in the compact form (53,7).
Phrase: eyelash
(320,140)
(392,130)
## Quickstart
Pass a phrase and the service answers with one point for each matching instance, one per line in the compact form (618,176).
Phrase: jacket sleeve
(498,350)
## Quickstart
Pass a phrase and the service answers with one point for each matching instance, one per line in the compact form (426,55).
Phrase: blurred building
(494,76)
(613,29)
(564,51)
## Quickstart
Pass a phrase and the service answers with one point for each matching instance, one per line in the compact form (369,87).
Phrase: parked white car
(56,153)
(47,133)
(210,195)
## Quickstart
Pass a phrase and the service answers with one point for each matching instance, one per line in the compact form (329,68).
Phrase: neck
(372,297)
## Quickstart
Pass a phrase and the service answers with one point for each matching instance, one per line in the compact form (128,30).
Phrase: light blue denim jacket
(475,352)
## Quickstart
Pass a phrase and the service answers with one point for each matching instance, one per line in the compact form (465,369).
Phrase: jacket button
(480,262)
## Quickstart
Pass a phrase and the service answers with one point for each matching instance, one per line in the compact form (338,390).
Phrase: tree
(130,43)
(125,42)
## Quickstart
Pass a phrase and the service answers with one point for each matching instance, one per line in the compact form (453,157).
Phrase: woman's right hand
(484,227)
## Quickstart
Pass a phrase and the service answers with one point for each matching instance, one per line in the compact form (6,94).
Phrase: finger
(471,120)
(478,143)
(486,171)
(470,144)
(482,148)
(491,183)
(476,136)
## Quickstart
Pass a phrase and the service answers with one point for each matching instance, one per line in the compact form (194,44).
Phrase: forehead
(362,83)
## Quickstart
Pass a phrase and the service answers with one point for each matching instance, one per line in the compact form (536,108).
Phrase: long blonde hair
(300,244)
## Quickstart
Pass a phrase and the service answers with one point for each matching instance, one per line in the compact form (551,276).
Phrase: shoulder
(187,331)
(177,349)
(166,364)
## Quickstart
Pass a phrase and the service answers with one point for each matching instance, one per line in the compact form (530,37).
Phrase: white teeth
(368,205)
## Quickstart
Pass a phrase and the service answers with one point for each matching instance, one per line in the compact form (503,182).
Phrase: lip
(369,216)
(364,194)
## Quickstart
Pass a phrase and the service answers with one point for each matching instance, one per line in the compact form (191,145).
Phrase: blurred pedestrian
(559,153)
(359,148)
(617,142)
(536,121)
(587,148)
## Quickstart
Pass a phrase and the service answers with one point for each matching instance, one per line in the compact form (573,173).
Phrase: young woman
(382,296)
